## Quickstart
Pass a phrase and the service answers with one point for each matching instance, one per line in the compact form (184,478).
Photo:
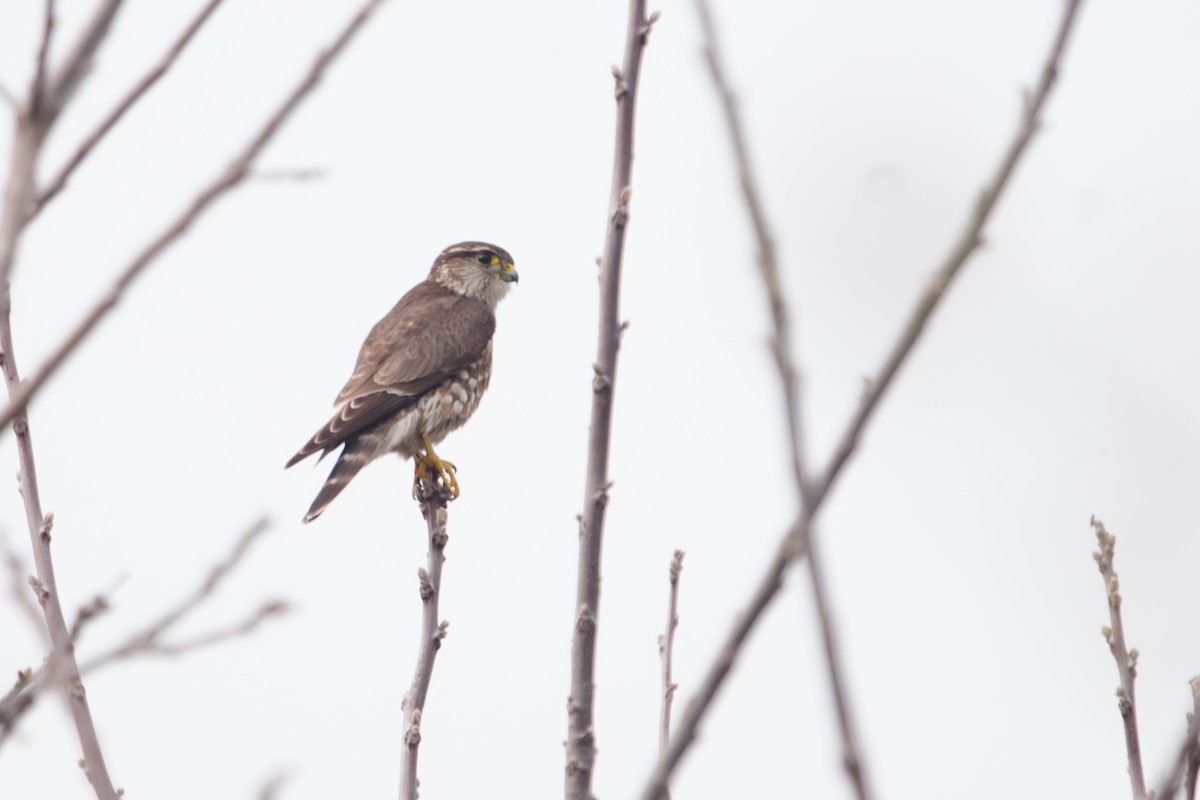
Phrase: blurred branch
(433,508)
(61,87)
(37,86)
(118,112)
(18,584)
(797,540)
(1126,659)
(790,377)
(1193,741)
(969,240)
(1187,755)
(149,641)
(232,176)
(581,737)
(666,651)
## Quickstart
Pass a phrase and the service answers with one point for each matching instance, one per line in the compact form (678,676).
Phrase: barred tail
(351,460)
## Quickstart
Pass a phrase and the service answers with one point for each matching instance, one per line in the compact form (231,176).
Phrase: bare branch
(789,377)
(1187,755)
(433,508)
(37,89)
(1193,741)
(78,63)
(796,542)
(232,176)
(666,651)
(118,112)
(149,641)
(18,585)
(62,659)
(1126,659)
(581,737)
(969,240)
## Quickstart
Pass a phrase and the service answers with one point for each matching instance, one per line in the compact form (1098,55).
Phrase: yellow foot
(433,475)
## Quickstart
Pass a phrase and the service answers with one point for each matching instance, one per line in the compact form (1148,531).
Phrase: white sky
(1059,380)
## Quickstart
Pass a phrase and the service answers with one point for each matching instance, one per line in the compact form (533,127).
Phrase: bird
(420,374)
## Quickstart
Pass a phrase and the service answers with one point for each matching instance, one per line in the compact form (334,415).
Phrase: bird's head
(475,269)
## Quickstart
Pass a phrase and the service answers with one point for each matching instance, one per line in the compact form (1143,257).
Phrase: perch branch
(581,738)
(433,508)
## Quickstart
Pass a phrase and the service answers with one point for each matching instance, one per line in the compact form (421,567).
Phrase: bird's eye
(486,258)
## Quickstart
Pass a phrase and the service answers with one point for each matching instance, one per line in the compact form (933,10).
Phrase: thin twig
(233,175)
(89,142)
(969,240)
(1126,659)
(581,736)
(149,640)
(15,702)
(18,585)
(666,652)
(433,508)
(793,545)
(688,724)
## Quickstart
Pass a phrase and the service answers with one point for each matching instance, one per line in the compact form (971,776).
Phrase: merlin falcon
(420,373)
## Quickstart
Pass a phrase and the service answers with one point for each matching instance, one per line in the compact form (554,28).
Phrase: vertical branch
(666,648)
(1126,659)
(433,508)
(581,744)
(65,669)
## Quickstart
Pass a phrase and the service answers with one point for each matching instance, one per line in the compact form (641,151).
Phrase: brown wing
(426,337)
(429,335)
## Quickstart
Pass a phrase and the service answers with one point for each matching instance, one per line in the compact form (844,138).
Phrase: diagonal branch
(433,508)
(581,739)
(135,94)
(78,64)
(795,542)
(148,641)
(233,175)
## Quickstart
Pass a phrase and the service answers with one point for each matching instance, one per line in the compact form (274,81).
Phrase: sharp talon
(433,475)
